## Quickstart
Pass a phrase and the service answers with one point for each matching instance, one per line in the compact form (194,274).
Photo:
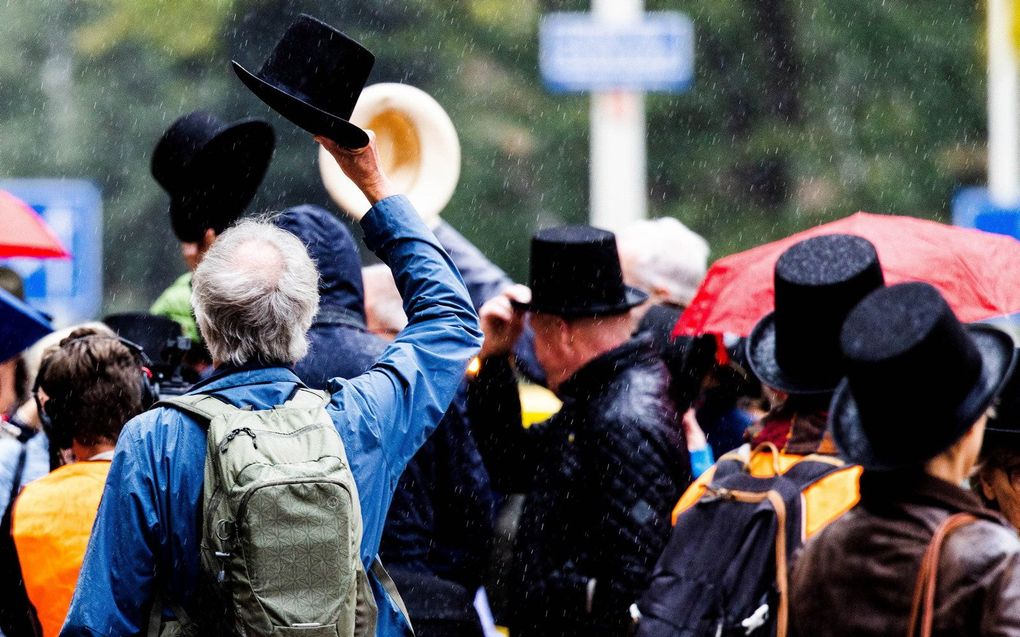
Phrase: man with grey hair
(255,295)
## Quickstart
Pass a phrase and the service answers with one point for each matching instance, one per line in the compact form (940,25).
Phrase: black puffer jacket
(600,478)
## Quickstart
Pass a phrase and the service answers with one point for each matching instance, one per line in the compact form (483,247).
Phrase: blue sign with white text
(578,53)
(69,290)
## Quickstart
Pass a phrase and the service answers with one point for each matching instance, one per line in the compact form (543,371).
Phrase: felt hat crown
(575,271)
(817,282)
(917,379)
(211,170)
(314,77)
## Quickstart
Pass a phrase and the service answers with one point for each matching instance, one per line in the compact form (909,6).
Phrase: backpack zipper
(234,434)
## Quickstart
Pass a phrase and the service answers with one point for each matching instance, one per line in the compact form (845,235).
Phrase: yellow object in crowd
(51,524)
(537,403)
(824,501)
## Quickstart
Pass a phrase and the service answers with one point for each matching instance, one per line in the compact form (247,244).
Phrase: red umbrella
(23,233)
(978,272)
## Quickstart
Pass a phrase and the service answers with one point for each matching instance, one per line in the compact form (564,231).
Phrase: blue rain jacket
(146,535)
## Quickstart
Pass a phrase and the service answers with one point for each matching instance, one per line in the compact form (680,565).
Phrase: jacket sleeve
(115,586)
(403,396)
(510,451)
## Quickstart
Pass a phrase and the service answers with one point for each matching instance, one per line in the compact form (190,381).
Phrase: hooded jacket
(441,518)
(340,324)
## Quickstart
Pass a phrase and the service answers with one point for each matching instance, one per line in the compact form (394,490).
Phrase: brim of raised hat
(996,349)
(314,120)
(761,355)
(632,297)
(237,157)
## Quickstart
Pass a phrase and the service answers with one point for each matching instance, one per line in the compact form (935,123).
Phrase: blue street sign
(972,208)
(578,52)
(69,290)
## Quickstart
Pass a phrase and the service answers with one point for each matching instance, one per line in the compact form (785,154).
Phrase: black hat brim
(761,354)
(314,120)
(632,298)
(996,349)
(235,161)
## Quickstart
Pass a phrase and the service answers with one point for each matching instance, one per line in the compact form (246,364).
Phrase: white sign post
(617,52)
(618,166)
(1003,106)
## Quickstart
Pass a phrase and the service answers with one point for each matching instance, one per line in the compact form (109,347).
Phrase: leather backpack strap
(923,605)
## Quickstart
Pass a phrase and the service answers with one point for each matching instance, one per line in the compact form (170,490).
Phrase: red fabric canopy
(978,272)
(23,233)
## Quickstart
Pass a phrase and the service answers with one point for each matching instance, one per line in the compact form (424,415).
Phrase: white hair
(664,254)
(255,294)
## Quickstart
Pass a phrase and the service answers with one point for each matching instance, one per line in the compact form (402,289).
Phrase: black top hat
(817,281)
(314,77)
(575,272)
(917,379)
(211,170)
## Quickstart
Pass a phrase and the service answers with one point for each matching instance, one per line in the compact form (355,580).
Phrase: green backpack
(281,522)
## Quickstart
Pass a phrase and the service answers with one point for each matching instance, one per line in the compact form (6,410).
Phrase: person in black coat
(600,476)
(439,528)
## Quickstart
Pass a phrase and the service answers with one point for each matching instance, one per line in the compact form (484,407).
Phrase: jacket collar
(885,489)
(602,369)
(227,376)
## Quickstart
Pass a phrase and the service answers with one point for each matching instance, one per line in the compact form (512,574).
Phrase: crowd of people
(245,457)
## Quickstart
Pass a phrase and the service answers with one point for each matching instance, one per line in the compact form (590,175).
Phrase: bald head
(255,295)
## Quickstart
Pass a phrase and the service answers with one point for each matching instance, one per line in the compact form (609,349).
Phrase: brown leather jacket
(857,576)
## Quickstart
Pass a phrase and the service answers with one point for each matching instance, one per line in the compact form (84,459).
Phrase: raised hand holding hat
(362,166)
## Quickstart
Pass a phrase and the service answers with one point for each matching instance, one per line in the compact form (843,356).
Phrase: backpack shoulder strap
(391,589)
(205,407)
(305,398)
(812,469)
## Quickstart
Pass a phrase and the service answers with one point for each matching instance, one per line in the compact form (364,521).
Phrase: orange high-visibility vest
(51,524)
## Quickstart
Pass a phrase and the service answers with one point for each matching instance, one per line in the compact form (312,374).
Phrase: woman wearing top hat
(912,411)
(997,480)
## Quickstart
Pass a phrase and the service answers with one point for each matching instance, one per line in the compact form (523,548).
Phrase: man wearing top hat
(211,170)
(599,476)
(912,411)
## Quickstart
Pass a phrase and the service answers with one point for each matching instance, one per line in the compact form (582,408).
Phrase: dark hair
(93,386)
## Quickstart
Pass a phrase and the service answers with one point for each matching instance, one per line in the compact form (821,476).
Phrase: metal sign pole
(618,173)
(1003,106)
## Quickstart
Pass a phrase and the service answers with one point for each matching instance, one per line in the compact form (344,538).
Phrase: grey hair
(255,294)
(664,254)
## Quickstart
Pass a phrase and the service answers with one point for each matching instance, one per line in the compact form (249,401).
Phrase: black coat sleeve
(510,451)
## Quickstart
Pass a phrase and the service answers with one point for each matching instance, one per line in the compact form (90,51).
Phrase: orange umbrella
(977,272)
(23,233)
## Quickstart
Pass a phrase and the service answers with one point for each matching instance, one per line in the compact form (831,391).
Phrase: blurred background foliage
(802,111)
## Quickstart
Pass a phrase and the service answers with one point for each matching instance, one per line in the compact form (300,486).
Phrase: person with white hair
(255,295)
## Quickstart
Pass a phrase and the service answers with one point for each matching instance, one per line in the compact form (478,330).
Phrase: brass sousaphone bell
(417,145)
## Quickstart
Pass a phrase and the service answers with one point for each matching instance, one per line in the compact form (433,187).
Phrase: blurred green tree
(800,112)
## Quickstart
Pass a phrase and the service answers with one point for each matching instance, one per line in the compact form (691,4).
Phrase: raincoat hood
(332,247)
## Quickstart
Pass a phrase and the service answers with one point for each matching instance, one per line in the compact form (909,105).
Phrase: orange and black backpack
(724,571)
